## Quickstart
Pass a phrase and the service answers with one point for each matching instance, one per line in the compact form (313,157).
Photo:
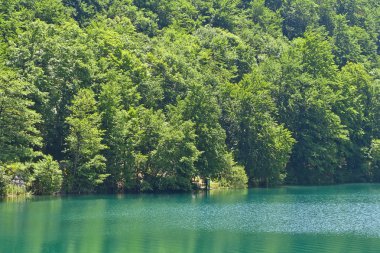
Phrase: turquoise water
(343,218)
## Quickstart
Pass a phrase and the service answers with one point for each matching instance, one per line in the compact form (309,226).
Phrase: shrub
(375,159)
(47,178)
(14,179)
(234,178)
(4,180)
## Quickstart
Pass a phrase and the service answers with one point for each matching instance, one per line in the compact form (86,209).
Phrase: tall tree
(86,164)
(306,101)
(354,107)
(19,136)
(134,138)
(261,144)
(202,109)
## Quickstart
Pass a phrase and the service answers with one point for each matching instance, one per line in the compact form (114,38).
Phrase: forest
(118,96)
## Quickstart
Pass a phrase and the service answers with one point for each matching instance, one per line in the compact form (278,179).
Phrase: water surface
(343,218)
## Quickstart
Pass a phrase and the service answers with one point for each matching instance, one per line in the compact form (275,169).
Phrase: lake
(344,218)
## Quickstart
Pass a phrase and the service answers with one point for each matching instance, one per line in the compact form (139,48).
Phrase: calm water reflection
(342,218)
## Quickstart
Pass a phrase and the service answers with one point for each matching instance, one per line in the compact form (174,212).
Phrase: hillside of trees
(147,95)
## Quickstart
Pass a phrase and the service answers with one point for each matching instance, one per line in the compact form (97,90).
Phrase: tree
(261,144)
(318,131)
(47,176)
(306,99)
(202,109)
(353,107)
(317,56)
(148,153)
(57,61)
(223,53)
(375,108)
(85,10)
(86,164)
(347,47)
(176,156)
(19,137)
(134,138)
(298,15)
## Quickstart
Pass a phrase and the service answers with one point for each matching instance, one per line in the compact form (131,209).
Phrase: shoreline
(204,191)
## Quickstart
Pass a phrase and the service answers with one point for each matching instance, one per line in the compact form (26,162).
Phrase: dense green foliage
(235,178)
(132,95)
(47,177)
